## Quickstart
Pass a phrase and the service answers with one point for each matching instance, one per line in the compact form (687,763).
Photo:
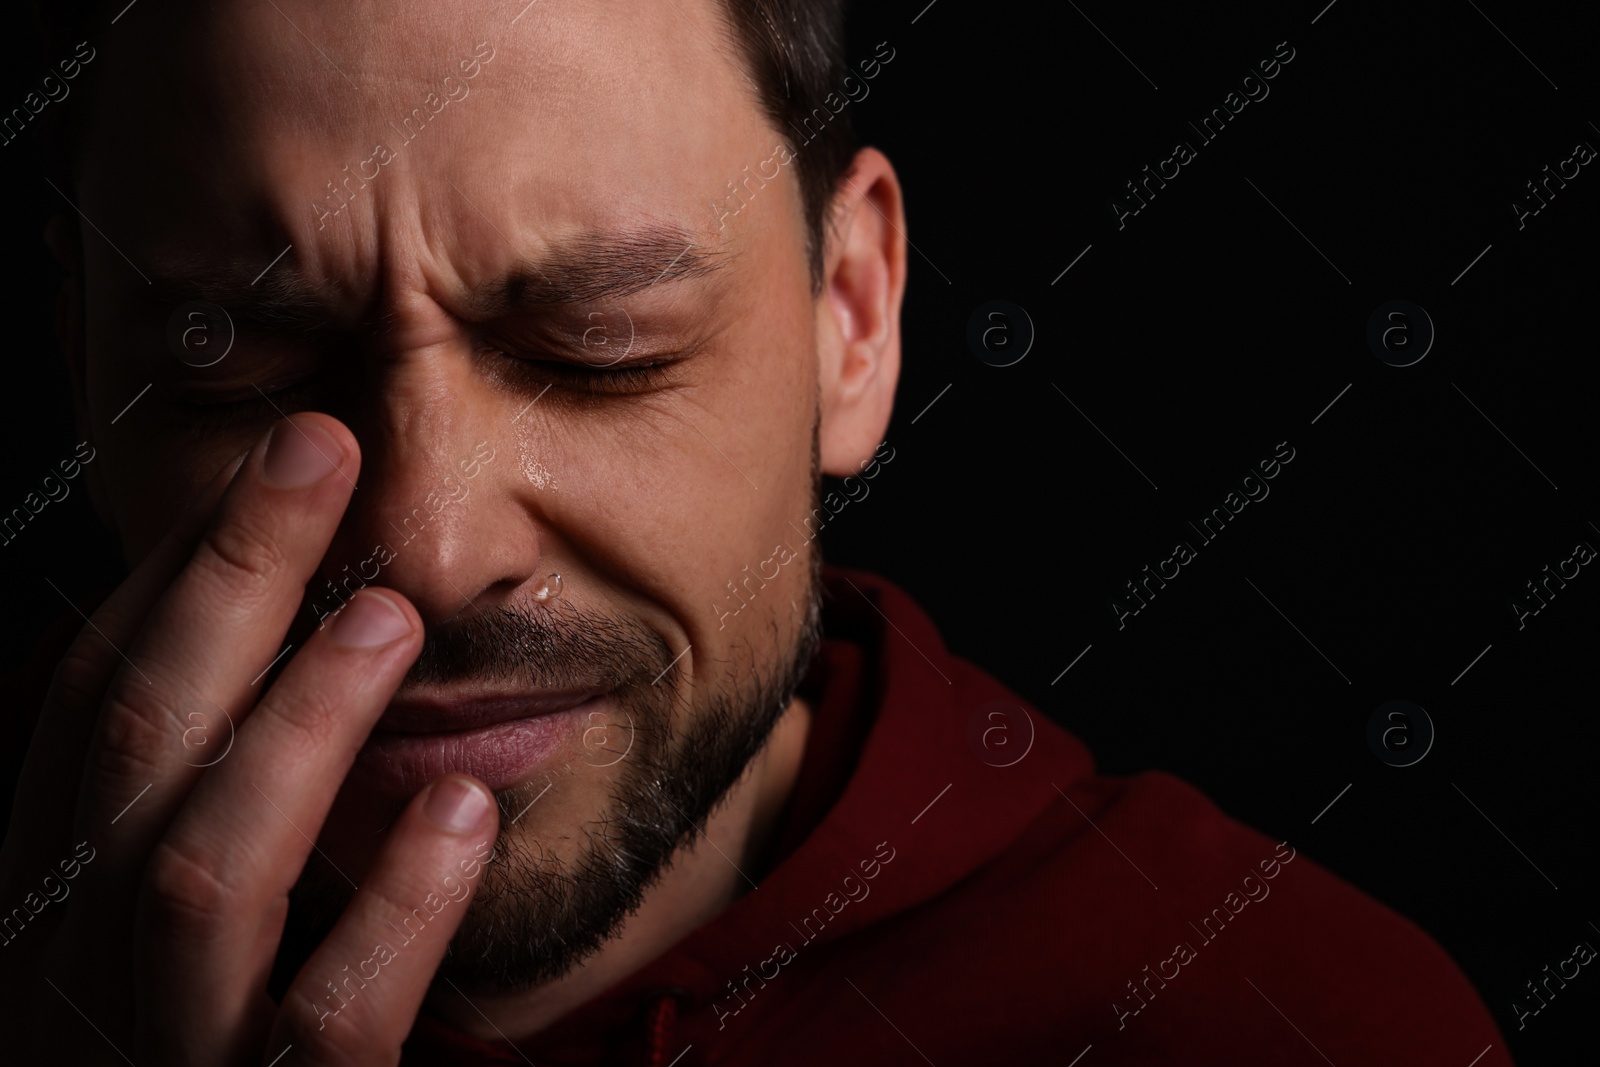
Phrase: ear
(62,236)
(858,317)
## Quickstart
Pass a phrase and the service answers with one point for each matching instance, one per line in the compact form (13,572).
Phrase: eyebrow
(595,267)
(589,268)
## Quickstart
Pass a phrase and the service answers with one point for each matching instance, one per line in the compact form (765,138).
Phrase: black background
(1196,338)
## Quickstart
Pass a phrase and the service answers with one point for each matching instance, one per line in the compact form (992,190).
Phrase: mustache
(554,646)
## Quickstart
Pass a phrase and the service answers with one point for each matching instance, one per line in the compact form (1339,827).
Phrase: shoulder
(1172,933)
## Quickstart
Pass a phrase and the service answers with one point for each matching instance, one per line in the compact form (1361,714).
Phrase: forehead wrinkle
(586,269)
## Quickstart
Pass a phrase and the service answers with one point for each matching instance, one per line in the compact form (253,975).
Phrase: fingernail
(456,804)
(369,620)
(299,453)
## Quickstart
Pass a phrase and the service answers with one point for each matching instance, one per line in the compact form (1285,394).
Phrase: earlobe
(859,313)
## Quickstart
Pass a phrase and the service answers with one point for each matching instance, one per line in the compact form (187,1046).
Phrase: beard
(537,915)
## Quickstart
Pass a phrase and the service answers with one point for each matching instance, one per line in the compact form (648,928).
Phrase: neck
(701,882)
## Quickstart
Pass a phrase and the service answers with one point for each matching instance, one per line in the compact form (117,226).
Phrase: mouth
(499,738)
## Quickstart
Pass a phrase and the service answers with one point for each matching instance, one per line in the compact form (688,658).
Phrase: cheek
(663,518)
(665,505)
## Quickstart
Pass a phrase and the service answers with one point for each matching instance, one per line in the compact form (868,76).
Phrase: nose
(431,516)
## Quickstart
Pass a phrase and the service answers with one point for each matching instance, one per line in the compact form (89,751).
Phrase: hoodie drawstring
(659,1020)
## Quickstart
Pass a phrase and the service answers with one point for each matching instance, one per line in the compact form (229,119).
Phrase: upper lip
(448,713)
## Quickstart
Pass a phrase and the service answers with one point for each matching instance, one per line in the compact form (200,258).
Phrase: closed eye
(632,378)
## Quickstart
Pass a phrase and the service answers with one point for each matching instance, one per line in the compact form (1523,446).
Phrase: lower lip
(499,755)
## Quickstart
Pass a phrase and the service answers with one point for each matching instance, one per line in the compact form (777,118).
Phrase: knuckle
(90,659)
(137,727)
(76,676)
(386,899)
(247,557)
(185,893)
(327,1031)
(309,717)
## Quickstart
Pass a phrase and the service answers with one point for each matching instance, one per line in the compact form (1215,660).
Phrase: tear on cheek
(537,473)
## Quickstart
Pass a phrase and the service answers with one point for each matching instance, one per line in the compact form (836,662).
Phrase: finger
(355,1000)
(211,632)
(215,889)
(53,765)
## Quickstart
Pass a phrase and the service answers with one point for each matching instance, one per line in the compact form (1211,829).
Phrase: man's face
(501,269)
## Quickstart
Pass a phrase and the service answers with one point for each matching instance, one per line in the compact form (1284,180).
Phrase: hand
(156,948)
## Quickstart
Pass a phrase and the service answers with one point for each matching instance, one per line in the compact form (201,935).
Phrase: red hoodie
(943,892)
(940,890)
